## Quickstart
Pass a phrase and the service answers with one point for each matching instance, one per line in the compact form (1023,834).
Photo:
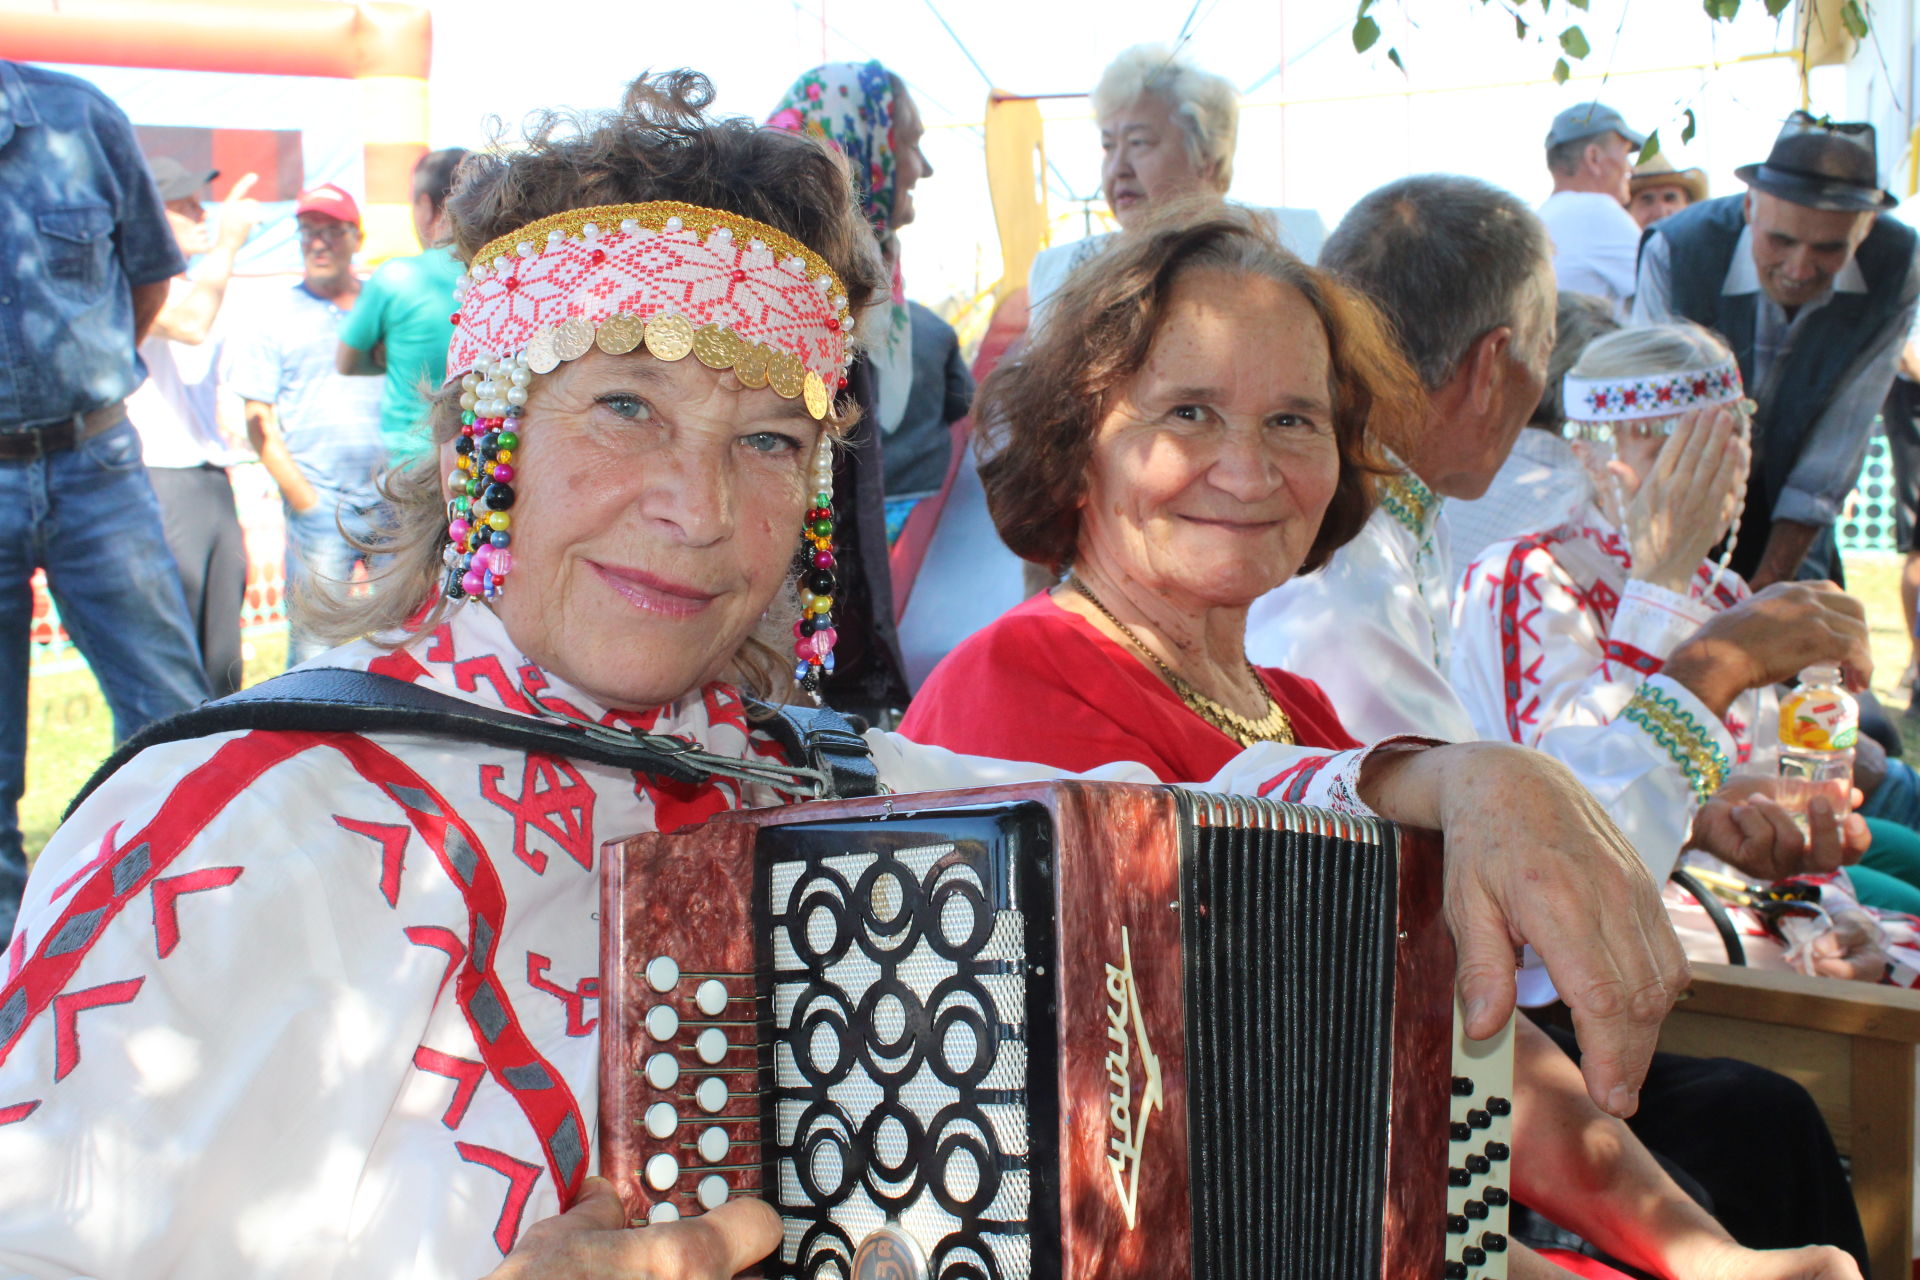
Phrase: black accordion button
(1474,1209)
(1462,1087)
(1499,1106)
(1493,1242)
(1473,1256)
(1479,1119)
(1477,1164)
(1497,1151)
(1459,1131)
(1459,1178)
(1456,1225)
(1456,1271)
(1495,1196)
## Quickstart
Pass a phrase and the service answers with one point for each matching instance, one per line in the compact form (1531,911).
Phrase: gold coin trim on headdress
(785,374)
(750,370)
(542,357)
(669,337)
(815,390)
(620,334)
(573,337)
(716,346)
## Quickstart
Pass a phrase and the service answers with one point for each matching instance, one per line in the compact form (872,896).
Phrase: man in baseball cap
(316,431)
(1590,155)
(1815,292)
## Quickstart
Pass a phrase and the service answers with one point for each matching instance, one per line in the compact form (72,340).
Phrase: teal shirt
(408,305)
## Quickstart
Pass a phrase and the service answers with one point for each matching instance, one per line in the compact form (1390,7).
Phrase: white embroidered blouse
(310,1005)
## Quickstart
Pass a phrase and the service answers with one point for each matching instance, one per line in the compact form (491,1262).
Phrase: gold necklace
(1275,726)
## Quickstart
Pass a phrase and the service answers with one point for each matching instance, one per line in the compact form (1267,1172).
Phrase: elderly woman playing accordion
(304,1003)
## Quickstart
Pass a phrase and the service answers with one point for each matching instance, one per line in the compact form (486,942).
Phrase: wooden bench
(1854,1047)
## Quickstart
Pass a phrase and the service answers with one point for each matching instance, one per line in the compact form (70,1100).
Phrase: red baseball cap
(330,200)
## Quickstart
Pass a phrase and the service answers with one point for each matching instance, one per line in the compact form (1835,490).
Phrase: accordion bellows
(1058,1029)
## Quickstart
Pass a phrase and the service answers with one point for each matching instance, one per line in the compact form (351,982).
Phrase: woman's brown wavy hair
(1042,409)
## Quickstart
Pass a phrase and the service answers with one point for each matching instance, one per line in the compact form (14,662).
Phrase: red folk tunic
(1043,683)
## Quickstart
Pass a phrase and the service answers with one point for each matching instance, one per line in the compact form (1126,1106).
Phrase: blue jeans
(87,515)
(319,553)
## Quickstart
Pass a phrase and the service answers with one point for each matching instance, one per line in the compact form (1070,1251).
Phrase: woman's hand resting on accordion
(1532,858)
(592,1241)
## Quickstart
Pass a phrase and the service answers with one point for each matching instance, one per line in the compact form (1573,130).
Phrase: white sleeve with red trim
(203,1034)
(1529,655)
(1301,775)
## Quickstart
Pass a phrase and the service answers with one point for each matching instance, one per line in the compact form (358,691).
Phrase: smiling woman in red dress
(1201,419)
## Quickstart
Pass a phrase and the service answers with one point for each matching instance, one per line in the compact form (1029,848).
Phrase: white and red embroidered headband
(677,278)
(1664,395)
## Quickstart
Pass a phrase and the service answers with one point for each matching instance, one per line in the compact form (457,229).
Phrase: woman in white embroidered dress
(1561,626)
(298,1004)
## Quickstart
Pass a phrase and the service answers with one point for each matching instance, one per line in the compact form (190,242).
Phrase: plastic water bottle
(1819,723)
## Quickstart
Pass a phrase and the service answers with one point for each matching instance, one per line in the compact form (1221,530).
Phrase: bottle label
(1819,720)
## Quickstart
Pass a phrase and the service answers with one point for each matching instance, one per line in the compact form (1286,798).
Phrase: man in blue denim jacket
(89,254)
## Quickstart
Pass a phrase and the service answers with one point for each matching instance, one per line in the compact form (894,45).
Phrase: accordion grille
(1287,928)
(897,987)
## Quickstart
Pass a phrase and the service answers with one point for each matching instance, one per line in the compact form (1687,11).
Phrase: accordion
(1058,1029)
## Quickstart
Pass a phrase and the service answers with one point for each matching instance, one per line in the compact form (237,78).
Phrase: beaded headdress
(677,279)
(1639,399)
(1596,406)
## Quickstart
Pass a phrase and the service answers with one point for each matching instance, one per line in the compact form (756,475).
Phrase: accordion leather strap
(342,700)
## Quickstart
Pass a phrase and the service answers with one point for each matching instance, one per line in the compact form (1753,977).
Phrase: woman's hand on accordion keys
(1532,858)
(592,1241)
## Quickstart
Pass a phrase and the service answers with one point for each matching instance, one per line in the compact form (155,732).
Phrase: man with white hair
(1815,293)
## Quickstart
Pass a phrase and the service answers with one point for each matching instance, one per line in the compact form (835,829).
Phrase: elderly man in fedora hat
(1815,292)
(1658,190)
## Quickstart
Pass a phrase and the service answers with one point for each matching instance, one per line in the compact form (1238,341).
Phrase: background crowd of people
(1237,495)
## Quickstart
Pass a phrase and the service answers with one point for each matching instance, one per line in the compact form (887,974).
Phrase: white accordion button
(662,973)
(662,1071)
(711,997)
(662,1171)
(665,1211)
(711,1046)
(662,1022)
(662,1120)
(713,1191)
(711,1094)
(713,1144)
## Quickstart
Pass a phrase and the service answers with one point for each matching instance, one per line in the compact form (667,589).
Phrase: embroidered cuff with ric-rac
(1685,740)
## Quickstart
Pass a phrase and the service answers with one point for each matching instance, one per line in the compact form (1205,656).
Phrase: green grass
(70,731)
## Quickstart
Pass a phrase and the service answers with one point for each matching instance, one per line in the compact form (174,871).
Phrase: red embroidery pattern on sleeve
(1297,779)
(196,800)
(464,1072)
(432,935)
(392,839)
(1617,652)
(1514,677)
(509,1054)
(520,1178)
(66,1017)
(166,893)
(554,800)
(578,1024)
(100,859)
(18,1111)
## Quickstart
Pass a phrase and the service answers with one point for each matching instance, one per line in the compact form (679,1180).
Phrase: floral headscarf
(849,106)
